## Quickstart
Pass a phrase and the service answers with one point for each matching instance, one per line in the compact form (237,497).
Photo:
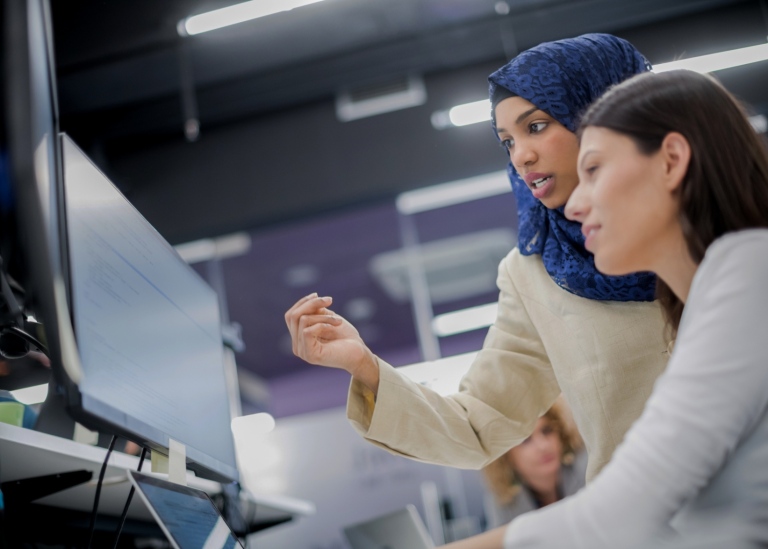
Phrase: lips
(547,459)
(589,232)
(541,184)
(536,180)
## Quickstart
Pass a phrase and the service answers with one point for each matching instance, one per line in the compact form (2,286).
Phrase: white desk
(25,454)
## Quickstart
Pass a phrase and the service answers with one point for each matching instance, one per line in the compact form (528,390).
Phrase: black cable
(128,503)
(98,490)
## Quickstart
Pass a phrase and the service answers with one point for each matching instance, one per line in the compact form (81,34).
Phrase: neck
(675,266)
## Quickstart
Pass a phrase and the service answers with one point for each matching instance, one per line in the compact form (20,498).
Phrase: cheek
(566,146)
(519,458)
(628,212)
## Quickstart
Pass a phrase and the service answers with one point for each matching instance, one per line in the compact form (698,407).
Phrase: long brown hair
(726,186)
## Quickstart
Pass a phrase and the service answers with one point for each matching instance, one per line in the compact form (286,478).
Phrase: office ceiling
(314,193)
(124,59)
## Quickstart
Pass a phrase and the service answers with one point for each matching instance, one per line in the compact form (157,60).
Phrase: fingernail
(313,294)
(327,299)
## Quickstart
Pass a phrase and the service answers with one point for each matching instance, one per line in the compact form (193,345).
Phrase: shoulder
(737,244)
(514,259)
(739,258)
(526,272)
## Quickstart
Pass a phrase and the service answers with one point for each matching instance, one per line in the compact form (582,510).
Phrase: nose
(522,155)
(578,206)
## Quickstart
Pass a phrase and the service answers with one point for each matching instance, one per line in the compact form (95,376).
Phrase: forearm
(459,430)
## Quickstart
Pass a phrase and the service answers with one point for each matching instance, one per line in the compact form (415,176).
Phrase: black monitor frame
(44,265)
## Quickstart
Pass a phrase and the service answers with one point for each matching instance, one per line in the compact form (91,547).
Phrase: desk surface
(25,453)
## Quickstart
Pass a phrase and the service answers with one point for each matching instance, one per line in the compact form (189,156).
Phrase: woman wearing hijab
(561,325)
(662,190)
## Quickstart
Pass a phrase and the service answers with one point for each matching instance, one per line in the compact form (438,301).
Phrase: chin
(553,202)
(610,266)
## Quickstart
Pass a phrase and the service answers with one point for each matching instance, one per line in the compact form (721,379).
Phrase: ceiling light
(455,192)
(238,13)
(208,249)
(31,395)
(718,61)
(465,320)
(462,115)
(480,111)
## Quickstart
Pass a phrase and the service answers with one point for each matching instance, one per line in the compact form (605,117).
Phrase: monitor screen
(147,326)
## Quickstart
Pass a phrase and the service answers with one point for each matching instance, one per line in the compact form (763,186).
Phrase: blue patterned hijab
(563,78)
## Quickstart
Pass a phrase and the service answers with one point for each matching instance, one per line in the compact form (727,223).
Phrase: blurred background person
(546,467)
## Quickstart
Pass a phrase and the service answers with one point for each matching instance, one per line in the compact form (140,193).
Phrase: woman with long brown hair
(674,180)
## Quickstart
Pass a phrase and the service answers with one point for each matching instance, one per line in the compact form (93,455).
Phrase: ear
(676,153)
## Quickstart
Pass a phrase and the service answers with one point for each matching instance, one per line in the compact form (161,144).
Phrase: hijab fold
(563,78)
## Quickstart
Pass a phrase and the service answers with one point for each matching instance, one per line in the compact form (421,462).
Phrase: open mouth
(538,183)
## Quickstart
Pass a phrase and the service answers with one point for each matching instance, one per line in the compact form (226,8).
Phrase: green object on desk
(12,413)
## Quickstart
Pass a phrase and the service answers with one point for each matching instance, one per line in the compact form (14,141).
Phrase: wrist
(367,371)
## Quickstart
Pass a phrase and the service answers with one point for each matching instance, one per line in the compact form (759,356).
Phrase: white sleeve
(714,390)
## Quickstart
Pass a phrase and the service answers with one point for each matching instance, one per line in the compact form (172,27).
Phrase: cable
(128,503)
(98,490)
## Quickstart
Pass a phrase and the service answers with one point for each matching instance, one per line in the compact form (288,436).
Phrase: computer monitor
(30,174)
(146,324)
(132,331)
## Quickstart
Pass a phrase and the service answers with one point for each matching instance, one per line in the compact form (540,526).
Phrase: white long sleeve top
(699,451)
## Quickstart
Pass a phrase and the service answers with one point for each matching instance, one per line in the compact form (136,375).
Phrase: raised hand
(320,336)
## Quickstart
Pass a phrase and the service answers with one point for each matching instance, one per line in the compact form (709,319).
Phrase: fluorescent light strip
(31,395)
(238,13)
(470,113)
(465,320)
(718,61)
(480,111)
(456,192)
(207,249)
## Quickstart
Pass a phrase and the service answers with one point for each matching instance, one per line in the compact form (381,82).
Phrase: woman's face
(625,201)
(538,456)
(541,149)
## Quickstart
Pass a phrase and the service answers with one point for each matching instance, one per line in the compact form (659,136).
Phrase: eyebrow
(526,114)
(522,117)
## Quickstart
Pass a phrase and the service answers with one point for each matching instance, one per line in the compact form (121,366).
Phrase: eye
(508,144)
(547,430)
(537,127)
(590,170)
